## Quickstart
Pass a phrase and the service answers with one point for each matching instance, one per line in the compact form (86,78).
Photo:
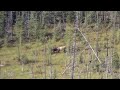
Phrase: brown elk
(58,49)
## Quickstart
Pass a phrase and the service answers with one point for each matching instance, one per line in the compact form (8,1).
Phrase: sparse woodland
(59,45)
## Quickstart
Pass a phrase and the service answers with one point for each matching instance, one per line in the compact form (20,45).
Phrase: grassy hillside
(39,60)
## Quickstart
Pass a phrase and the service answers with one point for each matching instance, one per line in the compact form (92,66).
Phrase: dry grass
(12,68)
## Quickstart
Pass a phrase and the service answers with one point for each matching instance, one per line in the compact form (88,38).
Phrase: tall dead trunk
(97,32)
(45,55)
(43,18)
(0,70)
(74,44)
(26,23)
(8,25)
(113,37)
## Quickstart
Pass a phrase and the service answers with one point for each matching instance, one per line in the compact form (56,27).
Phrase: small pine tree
(2,24)
(116,61)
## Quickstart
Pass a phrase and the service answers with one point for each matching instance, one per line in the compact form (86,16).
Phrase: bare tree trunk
(32,71)
(50,60)
(86,13)
(106,68)
(0,70)
(97,32)
(11,22)
(26,22)
(19,36)
(87,71)
(45,61)
(106,60)
(74,44)
(119,72)
(8,25)
(111,60)
(64,22)
(43,18)
(89,63)
(113,35)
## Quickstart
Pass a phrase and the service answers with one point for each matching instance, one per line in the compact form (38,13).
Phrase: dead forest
(59,44)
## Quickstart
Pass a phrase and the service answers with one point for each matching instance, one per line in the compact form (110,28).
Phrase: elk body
(1,65)
(58,49)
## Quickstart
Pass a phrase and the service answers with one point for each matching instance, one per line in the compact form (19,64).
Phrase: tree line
(34,23)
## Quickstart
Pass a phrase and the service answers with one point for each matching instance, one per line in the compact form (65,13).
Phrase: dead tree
(8,25)
(45,55)
(97,25)
(0,70)
(113,17)
(25,24)
(106,60)
(74,44)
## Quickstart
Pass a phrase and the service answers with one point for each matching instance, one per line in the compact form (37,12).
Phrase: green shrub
(116,61)
(24,60)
